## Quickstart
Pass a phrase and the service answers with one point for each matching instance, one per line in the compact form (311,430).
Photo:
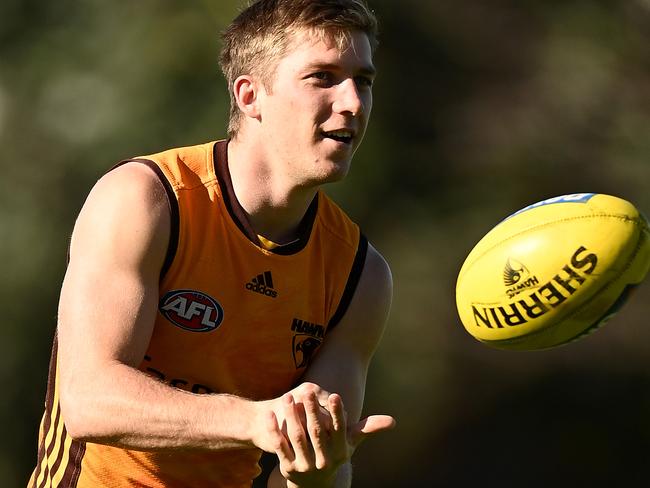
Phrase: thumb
(369,426)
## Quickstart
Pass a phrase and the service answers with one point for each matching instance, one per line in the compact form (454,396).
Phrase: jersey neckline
(238,214)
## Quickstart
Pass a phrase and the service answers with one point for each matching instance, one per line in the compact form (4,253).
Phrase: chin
(337,171)
(332,174)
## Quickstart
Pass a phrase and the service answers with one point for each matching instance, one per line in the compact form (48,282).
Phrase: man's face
(316,111)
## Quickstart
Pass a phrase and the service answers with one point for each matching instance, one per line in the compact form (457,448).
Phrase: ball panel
(550,272)
(550,212)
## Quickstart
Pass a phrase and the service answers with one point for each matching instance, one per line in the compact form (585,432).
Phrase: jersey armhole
(351,285)
(174,213)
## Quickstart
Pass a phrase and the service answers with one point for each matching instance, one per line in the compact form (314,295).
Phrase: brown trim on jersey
(239,216)
(49,407)
(73,469)
(353,281)
(173,210)
(61,444)
(236,211)
(77,449)
(304,231)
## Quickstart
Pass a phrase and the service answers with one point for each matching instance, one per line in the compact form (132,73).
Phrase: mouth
(340,135)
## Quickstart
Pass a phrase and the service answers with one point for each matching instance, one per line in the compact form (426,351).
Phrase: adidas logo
(263,284)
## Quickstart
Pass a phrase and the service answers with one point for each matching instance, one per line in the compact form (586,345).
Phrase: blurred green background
(480,109)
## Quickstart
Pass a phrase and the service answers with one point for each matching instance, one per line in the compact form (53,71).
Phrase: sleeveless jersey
(233,317)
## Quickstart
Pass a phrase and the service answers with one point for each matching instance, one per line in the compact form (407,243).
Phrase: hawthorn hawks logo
(514,272)
(517,278)
(306,341)
(304,347)
(191,310)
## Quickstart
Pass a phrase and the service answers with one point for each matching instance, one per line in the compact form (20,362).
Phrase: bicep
(342,363)
(109,294)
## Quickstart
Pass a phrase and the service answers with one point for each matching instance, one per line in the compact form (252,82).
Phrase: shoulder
(377,266)
(132,190)
(126,214)
(364,321)
(375,289)
(132,177)
(336,222)
(188,166)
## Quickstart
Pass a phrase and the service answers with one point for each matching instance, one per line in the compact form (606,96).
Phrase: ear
(246,91)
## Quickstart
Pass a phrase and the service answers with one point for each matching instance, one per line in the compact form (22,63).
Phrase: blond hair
(261,35)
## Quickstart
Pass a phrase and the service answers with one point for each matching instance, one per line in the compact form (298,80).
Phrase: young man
(217,304)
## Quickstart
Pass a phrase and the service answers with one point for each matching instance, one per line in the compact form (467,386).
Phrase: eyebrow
(367,70)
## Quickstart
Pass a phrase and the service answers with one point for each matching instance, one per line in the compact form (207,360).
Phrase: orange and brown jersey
(234,317)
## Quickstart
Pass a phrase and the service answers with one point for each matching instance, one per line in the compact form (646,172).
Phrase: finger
(369,426)
(321,394)
(325,418)
(303,456)
(316,429)
(304,389)
(339,419)
(278,441)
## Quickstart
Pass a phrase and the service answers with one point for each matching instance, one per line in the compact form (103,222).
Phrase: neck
(273,205)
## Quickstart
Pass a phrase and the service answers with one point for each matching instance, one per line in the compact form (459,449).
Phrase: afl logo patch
(191,310)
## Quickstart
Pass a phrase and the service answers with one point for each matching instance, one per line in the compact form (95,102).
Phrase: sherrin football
(553,271)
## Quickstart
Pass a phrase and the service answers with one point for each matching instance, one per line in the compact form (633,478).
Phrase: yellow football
(553,271)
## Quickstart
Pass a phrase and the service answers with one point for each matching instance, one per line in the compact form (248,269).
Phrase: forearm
(344,476)
(343,479)
(126,408)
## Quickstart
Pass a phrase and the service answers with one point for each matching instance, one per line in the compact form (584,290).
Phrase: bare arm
(106,315)
(316,458)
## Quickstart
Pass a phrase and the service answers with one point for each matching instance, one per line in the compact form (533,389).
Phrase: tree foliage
(480,109)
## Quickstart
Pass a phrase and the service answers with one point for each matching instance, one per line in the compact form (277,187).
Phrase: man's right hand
(308,430)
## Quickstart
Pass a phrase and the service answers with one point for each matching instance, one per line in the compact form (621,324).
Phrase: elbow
(77,414)
(76,423)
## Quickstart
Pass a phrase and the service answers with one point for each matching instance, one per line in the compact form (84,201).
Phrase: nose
(348,99)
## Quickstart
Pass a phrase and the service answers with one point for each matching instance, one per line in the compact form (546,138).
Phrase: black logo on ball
(517,278)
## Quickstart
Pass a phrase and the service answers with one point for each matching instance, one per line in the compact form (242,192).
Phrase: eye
(324,78)
(363,81)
